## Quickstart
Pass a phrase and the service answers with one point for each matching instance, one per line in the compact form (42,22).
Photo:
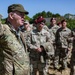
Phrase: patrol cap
(26,22)
(17,7)
(40,19)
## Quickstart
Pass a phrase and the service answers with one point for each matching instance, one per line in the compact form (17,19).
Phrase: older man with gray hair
(13,57)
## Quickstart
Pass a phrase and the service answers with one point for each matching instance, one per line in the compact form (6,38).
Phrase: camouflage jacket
(52,30)
(45,27)
(62,36)
(37,39)
(72,39)
(12,53)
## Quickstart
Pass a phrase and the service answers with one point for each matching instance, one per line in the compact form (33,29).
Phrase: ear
(11,14)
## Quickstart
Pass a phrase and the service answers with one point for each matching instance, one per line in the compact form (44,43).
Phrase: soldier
(26,29)
(27,26)
(52,29)
(45,26)
(38,42)
(13,58)
(40,19)
(62,45)
(53,25)
(73,53)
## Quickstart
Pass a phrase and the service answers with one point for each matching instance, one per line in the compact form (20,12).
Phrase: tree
(43,13)
(27,17)
(57,15)
(36,15)
(49,14)
(71,23)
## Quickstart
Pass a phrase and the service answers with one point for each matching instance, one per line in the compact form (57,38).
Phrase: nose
(22,16)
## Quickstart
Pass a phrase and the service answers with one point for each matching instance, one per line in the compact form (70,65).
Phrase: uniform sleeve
(52,36)
(48,46)
(46,28)
(70,40)
(1,29)
(72,35)
(48,42)
(29,43)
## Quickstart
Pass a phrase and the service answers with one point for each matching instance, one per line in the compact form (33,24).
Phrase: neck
(16,28)
(63,27)
(53,24)
(39,29)
(13,24)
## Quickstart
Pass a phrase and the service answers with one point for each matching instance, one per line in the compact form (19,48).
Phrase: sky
(34,6)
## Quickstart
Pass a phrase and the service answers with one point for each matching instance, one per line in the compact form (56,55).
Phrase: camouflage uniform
(13,58)
(52,30)
(35,40)
(26,34)
(62,45)
(73,53)
(45,27)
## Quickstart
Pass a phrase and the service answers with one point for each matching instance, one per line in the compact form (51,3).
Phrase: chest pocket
(65,34)
(54,30)
(38,39)
(42,39)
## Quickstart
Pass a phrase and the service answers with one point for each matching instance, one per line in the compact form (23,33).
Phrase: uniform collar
(64,29)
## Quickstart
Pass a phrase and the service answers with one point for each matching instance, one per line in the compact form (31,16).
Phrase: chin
(21,24)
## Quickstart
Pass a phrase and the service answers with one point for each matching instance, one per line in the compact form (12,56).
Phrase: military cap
(17,7)
(58,23)
(40,19)
(26,22)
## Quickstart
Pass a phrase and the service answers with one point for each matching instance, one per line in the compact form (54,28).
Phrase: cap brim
(26,13)
(23,11)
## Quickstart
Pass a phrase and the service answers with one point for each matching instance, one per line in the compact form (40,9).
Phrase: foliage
(71,23)
(46,14)
(68,14)
(27,17)
(3,20)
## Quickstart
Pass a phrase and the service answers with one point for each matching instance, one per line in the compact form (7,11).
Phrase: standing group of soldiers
(26,49)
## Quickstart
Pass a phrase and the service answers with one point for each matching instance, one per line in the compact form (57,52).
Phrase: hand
(69,49)
(39,49)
